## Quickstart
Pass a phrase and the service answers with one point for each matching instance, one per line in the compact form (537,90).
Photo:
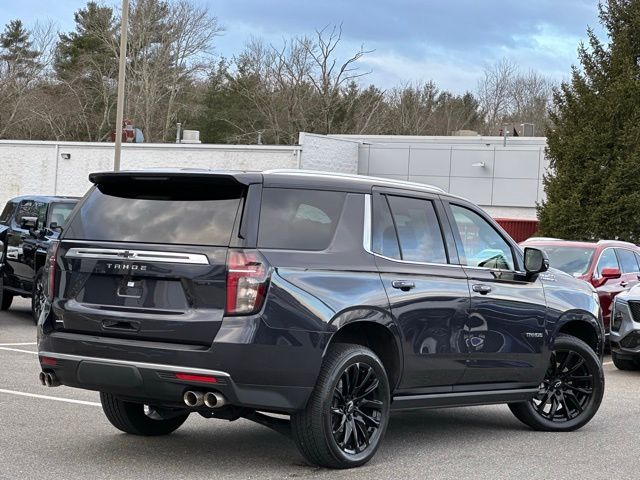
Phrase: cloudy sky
(448,41)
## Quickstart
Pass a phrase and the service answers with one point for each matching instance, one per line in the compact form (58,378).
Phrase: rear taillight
(52,265)
(247,281)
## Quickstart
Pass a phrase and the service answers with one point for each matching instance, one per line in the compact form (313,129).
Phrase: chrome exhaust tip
(50,380)
(214,400)
(193,399)
(41,377)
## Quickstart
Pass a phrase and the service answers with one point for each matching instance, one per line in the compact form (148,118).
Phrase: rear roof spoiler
(201,175)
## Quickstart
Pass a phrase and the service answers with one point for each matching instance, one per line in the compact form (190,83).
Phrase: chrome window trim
(150,366)
(367,239)
(137,255)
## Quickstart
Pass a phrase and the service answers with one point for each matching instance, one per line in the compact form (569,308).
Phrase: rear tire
(625,364)
(348,411)
(131,417)
(38,297)
(571,391)
(5,297)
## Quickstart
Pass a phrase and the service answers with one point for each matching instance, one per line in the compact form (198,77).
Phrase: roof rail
(618,242)
(351,176)
(546,239)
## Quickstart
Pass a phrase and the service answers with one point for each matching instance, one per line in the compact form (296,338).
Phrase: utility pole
(124,25)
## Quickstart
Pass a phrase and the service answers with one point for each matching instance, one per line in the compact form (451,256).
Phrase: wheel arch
(584,326)
(374,329)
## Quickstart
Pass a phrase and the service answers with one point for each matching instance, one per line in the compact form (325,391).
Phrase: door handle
(481,289)
(623,283)
(404,285)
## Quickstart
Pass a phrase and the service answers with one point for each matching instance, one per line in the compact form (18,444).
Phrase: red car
(610,266)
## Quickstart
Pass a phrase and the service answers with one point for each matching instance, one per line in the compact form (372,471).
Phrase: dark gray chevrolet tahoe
(331,299)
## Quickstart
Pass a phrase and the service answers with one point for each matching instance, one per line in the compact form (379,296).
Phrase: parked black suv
(28,225)
(333,299)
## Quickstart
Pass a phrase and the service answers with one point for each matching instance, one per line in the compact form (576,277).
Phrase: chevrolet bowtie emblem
(126,254)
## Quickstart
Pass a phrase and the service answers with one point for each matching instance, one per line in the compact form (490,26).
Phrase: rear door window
(169,212)
(295,219)
(384,239)
(628,263)
(418,230)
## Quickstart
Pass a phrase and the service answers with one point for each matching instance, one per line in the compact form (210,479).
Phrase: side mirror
(535,261)
(54,227)
(611,273)
(29,223)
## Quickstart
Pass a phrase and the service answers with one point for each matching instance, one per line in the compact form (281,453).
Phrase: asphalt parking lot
(62,433)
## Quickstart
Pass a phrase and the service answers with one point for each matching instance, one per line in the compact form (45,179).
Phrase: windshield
(572,260)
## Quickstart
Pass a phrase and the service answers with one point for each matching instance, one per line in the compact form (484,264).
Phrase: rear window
(60,212)
(176,212)
(295,219)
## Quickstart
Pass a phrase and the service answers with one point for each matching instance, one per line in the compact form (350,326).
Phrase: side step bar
(461,399)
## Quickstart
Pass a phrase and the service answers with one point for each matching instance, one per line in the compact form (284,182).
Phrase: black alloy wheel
(566,388)
(570,393)
(356,409)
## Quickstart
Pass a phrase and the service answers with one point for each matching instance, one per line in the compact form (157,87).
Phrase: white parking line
(17,344)
(18,350)
(47,397)
(607,363)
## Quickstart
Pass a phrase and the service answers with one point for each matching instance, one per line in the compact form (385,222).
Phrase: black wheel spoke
(368,419)
(364,381)
(372,404)
(356,440)
(575,367)
(586,391)
(544,402)
(364,430)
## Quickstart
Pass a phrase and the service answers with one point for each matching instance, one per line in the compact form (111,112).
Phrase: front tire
(348,412)
(132,417)
(5,297)
(571,391)
(625,364)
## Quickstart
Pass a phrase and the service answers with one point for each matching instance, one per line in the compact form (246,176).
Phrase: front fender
(577,319)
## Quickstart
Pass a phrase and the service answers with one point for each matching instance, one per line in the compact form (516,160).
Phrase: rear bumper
(265,374)
(157,384)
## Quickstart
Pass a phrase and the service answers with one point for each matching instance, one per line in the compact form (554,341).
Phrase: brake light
(247,280)
(53,253)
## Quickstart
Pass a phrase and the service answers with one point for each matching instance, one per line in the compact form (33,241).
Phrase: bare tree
(494,92)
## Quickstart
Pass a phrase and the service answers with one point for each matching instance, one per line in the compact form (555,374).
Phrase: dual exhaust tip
(195,399)
(48,379)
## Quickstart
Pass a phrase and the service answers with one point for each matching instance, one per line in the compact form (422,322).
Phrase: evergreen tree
(16,49)
(87,49)
(594,189)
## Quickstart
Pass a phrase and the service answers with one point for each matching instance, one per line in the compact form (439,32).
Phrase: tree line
(62,86)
